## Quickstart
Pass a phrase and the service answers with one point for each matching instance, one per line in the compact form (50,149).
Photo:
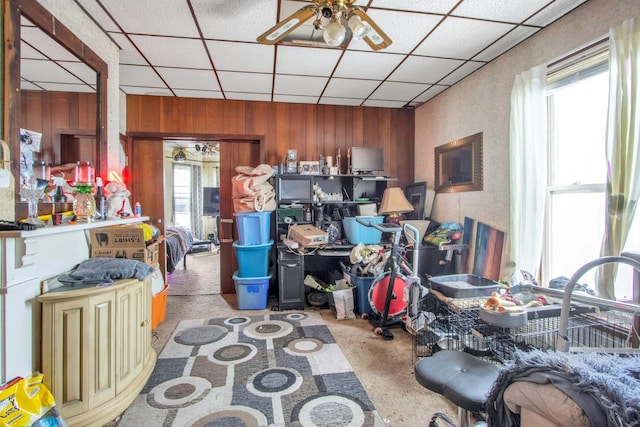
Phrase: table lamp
(394,204)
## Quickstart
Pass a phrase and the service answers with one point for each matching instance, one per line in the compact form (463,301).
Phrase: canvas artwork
(416,194)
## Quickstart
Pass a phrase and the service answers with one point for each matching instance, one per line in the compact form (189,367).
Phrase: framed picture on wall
(416,194)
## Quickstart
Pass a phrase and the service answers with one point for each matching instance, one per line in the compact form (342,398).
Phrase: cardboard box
(308,235)
(122,242)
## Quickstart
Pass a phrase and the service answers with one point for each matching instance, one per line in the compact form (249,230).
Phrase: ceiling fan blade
(282,28)
(375,38)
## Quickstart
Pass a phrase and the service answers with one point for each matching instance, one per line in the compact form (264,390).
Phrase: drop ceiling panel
(141,90)
(420,69)
(186,93)
(460,73)
(245,82)
(500,10)
(62,87)
(406,30)
(133,75)
(383,104)
(45,71)
(128,53)
(340,101)
(248,96)
(27,52)
(554,11)
(461,38)
(99,15)
(81,71)
(172,52)
(296,99)
(430,93)
(189,79)
(160,17)
(367,65)
(306,61)
(299,85)
(234,20)
(393,91)
(231,56)
(45,44)
(349,88)
(432,6)
(505,43)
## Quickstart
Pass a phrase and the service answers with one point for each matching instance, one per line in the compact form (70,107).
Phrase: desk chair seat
(460,377)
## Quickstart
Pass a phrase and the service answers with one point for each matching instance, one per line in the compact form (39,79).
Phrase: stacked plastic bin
(252,251)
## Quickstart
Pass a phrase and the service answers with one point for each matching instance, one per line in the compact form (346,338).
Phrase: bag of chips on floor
(28,402)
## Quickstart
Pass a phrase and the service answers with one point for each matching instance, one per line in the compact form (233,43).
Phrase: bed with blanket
(179,241)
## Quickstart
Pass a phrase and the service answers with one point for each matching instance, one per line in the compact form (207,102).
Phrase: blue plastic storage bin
(252,292)
(253,260)
(358,233)
(253,227)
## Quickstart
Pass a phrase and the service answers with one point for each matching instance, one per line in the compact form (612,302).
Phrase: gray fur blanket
(605,386)
(113,269)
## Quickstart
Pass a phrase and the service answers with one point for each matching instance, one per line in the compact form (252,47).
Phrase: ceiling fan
(331,15)
(208,149)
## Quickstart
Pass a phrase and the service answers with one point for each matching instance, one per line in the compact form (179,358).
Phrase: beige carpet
(200,277)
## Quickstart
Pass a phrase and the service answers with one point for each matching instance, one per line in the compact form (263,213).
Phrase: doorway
(147,175)
(192,210)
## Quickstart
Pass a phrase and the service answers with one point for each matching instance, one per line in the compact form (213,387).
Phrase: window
(577,99)
(182,195)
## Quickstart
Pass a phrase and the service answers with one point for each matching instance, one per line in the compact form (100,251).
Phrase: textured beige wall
(480,103)
(74,18)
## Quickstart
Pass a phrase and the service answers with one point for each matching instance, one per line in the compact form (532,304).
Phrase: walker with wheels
(387,291)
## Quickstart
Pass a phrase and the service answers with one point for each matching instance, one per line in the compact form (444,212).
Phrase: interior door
(232,154)
(146,183)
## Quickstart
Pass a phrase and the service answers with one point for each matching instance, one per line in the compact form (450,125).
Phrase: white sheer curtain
(528,168)
(196,202)
(623,151)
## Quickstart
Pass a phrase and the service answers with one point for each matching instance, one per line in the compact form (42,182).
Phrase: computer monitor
(367,160)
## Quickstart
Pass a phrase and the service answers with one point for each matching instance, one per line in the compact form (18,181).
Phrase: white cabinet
(27,258)
(96,349)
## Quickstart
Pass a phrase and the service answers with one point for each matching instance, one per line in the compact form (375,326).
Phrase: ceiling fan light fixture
(180,156)
(358,28)
(334,33)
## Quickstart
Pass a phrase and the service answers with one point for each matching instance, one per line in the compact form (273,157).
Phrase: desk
(293,266)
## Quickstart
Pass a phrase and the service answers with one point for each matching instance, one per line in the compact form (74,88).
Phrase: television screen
(366,160)
(294,188)
(211,201)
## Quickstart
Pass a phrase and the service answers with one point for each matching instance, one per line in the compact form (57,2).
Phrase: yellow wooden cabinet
(96,349)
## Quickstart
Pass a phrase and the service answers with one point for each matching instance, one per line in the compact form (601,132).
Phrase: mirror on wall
(58,101)
(459,165)
(56,87)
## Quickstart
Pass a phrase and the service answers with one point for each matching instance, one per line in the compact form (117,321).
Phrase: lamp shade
(358,28)
(334,33)
(394,202)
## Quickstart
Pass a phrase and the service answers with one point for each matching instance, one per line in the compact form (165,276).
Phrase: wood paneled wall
(54,114)
(311,129)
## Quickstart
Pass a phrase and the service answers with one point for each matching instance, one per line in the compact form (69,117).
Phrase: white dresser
(29,258)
